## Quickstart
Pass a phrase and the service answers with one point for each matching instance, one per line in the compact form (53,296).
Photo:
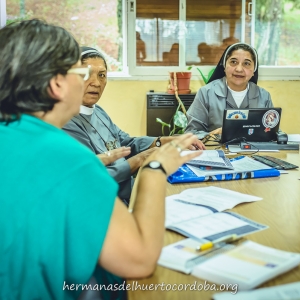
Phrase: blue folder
(185,174)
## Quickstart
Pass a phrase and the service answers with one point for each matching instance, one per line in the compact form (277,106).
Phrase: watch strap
(158,142)
(158,167)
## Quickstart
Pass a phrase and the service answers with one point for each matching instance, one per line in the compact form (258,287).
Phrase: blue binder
(185,174)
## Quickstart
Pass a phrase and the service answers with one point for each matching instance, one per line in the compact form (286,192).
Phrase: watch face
(158,143)
(154,164)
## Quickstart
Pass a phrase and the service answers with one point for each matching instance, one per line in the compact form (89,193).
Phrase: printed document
(240,165)
(192,203)
(183,256)
(217,225)
(290,291)
(248,265)
(210,158)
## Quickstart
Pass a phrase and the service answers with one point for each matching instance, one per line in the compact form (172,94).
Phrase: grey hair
(32,53)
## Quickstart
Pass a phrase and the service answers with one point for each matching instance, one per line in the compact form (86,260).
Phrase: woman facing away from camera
(61,221)
(233,85)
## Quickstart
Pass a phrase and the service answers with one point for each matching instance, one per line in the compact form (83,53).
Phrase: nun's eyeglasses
(83,72)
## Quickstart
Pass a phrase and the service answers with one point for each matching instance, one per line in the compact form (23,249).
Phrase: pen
(208,245)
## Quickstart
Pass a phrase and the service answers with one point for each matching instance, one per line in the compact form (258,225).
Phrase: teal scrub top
(56,200)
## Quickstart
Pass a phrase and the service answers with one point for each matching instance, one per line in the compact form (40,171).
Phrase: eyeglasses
(84,72)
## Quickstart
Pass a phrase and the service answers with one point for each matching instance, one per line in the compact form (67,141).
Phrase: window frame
(155,73)
(131,72)
(2,13)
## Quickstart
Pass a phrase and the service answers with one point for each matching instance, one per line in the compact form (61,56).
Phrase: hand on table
(169,154)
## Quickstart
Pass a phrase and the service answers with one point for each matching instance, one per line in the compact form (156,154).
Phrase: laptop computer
(250,125)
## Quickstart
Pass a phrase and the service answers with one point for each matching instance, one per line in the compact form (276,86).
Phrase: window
(170,35)
(93,23)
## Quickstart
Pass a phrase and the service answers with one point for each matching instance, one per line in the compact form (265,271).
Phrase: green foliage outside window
(93,23)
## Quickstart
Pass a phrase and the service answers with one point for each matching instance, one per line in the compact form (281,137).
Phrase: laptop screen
(253,125)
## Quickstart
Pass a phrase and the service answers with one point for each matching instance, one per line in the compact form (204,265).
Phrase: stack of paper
(183,256)
(289,291)
(247,265)
(210,158)
(196,213)
(243,168)
(240,164)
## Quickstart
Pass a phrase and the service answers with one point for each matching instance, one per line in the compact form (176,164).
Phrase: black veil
(219,70)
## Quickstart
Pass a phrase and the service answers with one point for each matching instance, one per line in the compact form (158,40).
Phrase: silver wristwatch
(155,165)
(158,142)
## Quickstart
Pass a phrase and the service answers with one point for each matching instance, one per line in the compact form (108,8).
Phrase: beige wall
(125,102)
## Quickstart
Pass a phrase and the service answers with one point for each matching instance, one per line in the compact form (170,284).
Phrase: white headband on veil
(253,50)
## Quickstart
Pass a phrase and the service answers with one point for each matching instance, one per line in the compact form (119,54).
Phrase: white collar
(86,110)
(238,92)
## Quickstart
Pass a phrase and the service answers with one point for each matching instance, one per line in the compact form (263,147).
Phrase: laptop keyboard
(274,162)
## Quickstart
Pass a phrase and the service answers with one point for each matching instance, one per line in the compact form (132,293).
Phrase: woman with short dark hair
(61,221)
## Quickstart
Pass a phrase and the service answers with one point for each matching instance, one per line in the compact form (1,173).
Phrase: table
(279,209)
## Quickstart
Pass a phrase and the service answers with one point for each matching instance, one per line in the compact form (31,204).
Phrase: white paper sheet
(248,265)
(245,164)
(295,138)
(177,211)
(290,291)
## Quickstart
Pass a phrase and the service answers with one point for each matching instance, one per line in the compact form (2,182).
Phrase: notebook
(251,125)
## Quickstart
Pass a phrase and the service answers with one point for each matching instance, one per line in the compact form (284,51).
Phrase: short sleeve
(79,223)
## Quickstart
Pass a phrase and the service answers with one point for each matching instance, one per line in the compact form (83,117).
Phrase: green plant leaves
(202,75)
(163,125)
(210,73)
(180,119)
(180,123)
(205,79)
(158,120)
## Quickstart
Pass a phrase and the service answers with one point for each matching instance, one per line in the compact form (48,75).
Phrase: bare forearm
(149,208)
(134,163)
(164,140)
(139,246)
(134,253)
(197,145)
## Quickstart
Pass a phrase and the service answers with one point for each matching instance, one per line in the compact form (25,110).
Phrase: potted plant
(182,82)
(179,119)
